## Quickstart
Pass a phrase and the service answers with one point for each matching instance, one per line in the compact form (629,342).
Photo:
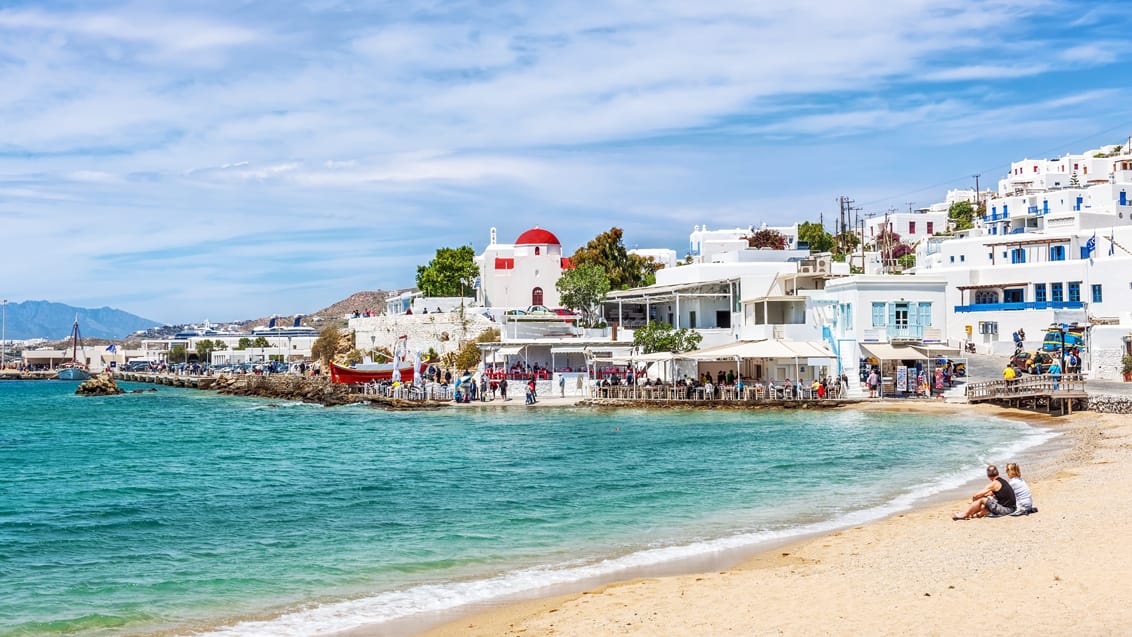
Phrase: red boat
(372,373)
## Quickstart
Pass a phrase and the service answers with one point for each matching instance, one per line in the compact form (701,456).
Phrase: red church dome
(537,236)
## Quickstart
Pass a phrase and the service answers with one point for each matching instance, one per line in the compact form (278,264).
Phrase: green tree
(177,354)
(766,238)
(205,348)
(661,337)
(962,215)
(622,268)
(816,236)
(584,287)
(261,341)
(243,343)
(450,273)
(325,347)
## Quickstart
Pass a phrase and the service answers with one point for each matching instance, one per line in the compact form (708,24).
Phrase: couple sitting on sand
(1001,497)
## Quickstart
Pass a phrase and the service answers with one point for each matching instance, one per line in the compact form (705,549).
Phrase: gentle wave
(390,606)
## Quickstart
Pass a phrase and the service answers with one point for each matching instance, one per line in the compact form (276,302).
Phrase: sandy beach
(1064,570)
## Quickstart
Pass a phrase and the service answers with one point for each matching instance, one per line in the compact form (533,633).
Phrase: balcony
(1032,305)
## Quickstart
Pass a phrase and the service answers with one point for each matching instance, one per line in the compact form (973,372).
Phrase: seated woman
(1021,490)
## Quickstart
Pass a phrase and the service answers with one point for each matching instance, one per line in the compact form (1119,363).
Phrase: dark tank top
(1005,494)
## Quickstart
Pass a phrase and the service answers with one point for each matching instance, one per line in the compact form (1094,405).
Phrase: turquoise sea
(186,512)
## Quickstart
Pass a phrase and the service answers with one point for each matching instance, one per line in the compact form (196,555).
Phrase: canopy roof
(763,349)
(887,352)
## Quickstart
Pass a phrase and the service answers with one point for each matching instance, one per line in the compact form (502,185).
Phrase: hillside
(53,321)
(373,300)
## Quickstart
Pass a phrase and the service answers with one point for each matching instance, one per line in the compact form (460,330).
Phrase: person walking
(562,385)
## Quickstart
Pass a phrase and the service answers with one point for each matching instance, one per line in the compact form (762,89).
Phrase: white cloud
(346,116)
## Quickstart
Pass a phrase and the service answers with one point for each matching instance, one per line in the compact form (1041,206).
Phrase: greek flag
(1091,246)
(112,348)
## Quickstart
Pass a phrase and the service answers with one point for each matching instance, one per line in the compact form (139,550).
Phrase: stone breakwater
(1110,404)
(315,389)
(285,387)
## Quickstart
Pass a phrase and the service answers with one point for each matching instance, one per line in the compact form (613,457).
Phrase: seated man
(996,499)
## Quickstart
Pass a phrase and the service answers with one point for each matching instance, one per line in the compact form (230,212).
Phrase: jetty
(1043,392)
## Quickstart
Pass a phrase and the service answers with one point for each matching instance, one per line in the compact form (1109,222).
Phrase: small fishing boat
(373,372)
(73,370)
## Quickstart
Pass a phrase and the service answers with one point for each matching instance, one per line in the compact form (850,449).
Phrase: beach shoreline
(843,581)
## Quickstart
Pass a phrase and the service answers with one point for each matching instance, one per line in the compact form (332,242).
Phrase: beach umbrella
(417,367)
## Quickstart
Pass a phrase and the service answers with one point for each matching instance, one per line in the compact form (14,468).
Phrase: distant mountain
(53,321)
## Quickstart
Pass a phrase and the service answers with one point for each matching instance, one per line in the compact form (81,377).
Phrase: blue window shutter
(925,314)
(891,314)
(1123,198)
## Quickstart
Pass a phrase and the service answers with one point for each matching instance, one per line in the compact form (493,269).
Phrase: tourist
(1009,373)
(996,499)
(873,382)
(1022,495)
(1054,372)
(562,385)
(1073,363)
(503,389)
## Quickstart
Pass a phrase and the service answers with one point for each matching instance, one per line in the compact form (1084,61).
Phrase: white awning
(886,352)
(763,349)
(567,349)
(509,350)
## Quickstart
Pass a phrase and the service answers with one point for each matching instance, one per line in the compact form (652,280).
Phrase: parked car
(567,315)
(515,313)
(1033,362)
(539,309)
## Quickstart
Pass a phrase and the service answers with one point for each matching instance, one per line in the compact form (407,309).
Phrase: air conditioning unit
(805,268)
(988,327)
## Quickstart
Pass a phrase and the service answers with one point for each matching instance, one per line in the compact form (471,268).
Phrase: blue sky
(227,160)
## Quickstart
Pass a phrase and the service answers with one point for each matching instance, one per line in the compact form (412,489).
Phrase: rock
(100,385)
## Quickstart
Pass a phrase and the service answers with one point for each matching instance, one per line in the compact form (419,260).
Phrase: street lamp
(3,333)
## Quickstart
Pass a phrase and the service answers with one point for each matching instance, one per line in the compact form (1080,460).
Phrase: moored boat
(74,370)
(373,372)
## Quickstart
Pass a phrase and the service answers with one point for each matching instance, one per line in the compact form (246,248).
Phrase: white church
(520,274)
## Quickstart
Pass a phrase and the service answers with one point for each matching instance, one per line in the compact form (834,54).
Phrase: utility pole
(978,195)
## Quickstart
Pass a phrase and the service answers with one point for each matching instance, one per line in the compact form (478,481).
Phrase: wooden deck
(1038,392)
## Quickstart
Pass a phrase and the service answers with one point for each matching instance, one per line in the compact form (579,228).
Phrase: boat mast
(75,342)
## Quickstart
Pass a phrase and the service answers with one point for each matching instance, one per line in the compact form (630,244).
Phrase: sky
(233,159)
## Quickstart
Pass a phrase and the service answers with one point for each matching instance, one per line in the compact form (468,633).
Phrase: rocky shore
(100,385)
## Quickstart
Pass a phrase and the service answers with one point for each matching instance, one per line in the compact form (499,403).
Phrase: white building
(1044,253)
(709,246)
(521,274)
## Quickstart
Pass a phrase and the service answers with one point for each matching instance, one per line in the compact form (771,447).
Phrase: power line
(991,170)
